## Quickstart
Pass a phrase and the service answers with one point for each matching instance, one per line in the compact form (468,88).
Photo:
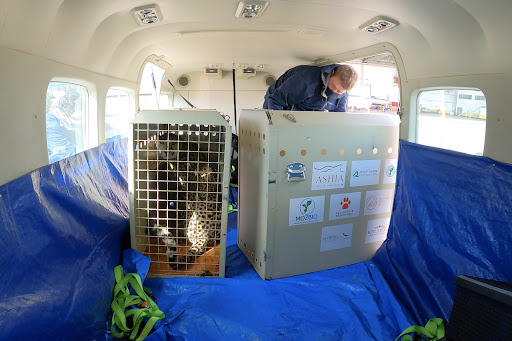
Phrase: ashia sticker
(344,205)
(390,171)
(376,230)
(336,237)
(364,173)
(306,210)
(378,201)
(328,175)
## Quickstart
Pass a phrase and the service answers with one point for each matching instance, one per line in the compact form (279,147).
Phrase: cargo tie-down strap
(434,330)
(129,311)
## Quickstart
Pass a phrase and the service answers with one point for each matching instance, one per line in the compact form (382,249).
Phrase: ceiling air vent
(250,9)
(245,73)
(184,80)
(148,14)
(269,80)
(378,24)
(213,72)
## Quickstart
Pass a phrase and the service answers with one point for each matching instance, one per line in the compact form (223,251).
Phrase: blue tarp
(348,303)
(63,228)
(452,215)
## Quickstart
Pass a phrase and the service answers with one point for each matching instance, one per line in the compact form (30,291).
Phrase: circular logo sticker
(307,206)
(371,202)
(391,171)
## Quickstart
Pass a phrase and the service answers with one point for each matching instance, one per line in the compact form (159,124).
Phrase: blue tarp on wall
(63,228)
(452,215)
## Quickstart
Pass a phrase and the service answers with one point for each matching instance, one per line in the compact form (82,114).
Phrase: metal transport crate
(179,179)
(315,188)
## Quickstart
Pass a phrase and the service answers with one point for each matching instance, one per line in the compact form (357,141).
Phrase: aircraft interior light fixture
(148,14)
(250,9)
(378,24)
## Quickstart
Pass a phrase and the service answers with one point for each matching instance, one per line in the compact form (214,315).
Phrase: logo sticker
(328,175)
(390,171)
(344,205)
(365,173)
(378,201)
(336,237)
(377,230)
(306,210)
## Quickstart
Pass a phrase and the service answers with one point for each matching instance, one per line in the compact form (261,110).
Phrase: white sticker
(364,173)
(390,171)
(377,230)
(336,237)
(378,201)
(344,205)
(328,175)
(306,210)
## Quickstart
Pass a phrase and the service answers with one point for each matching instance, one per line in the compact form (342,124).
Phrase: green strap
(434,330)
(125,311)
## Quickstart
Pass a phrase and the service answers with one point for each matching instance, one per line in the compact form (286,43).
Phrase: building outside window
(452,119)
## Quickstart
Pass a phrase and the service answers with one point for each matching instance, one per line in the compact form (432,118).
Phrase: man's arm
(342,103)
(294,89)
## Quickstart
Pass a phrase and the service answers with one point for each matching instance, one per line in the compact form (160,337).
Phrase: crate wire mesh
(179,199)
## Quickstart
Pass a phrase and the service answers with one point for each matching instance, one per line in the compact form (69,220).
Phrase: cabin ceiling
(434,38)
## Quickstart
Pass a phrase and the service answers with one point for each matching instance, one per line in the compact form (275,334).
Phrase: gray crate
(315,188)
(179,164)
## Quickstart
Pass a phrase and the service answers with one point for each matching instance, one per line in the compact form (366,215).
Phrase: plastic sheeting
(348,303)
(452,215)
(62,229)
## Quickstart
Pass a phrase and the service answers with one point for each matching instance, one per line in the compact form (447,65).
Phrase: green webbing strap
(434,330)
(123,301)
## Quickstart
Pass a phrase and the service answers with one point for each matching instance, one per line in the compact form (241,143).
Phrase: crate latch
(296,172)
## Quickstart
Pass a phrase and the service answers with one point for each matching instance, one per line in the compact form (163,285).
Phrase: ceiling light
(250,9)
(378,24)
(148,14)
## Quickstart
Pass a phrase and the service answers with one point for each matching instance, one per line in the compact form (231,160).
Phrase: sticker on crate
(344,205)
(364,173)
(336,237)
(378,201)
(390,171)
(328,175)
(306,210)
(376,230)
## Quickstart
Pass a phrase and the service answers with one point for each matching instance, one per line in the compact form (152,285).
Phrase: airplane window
(66,115)
(150,84)
(117,115)
(377,89)
(452,119)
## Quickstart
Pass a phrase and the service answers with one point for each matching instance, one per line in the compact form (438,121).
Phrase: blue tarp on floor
(63,228)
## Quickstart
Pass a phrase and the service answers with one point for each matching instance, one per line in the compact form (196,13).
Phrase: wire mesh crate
(179,178)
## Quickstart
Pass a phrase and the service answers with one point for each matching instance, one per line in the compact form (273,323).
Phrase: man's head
(66,103)
(343,78)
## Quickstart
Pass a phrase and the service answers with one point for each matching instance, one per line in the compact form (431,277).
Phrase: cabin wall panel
(23,88)
(205,92)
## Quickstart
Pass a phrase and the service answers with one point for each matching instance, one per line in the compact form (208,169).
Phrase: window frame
(415,111)
(131,112)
